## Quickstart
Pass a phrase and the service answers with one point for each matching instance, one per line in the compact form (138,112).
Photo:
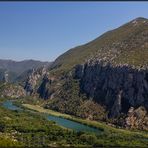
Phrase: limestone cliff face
(118,87)
(11,90)
(137,118)
(45,91)
(33,79)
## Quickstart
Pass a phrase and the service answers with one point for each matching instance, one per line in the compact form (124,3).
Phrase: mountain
(124,45)
(105,79)
(21,66)
(16,69)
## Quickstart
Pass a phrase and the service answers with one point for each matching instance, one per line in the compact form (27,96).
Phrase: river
(59,120)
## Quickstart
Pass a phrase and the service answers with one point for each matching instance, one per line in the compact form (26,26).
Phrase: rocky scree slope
(104,78)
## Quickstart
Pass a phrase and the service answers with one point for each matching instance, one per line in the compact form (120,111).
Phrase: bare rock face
(44,89)
(33,79)
(116,108)
(137,118)
(39,83)
(117,87)
(13,91)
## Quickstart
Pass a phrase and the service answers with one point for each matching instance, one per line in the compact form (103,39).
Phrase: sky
(45,30)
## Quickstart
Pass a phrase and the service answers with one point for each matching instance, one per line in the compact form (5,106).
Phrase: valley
(93,95)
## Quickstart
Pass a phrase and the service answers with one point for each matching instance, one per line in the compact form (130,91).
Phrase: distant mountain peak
(141,19)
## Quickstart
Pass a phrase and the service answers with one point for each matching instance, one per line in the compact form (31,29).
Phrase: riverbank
(66,121)
(62,115)
(48,111)
(99,125)
(32,121)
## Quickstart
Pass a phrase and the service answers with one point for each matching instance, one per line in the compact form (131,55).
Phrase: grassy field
(48,111)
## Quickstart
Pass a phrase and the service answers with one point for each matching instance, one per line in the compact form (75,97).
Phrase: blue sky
(44,30)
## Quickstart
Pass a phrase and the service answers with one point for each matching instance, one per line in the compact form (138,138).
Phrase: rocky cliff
(117,87)
(33,80)
(11,90)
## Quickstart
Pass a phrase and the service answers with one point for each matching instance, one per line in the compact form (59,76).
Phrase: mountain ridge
(79,54)
(16,68)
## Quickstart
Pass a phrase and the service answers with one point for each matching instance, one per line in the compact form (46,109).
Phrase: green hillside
(125,45)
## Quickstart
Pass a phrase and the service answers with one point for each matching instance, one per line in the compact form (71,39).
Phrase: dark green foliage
(31,129)
(71,101)
(91,110)
(88,138)
(2,126)
(68,98)
(7,142)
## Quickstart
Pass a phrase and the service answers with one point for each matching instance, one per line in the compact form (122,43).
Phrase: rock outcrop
(12,90)
(33,80)
(137,118)
(117,87)
(45,90)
